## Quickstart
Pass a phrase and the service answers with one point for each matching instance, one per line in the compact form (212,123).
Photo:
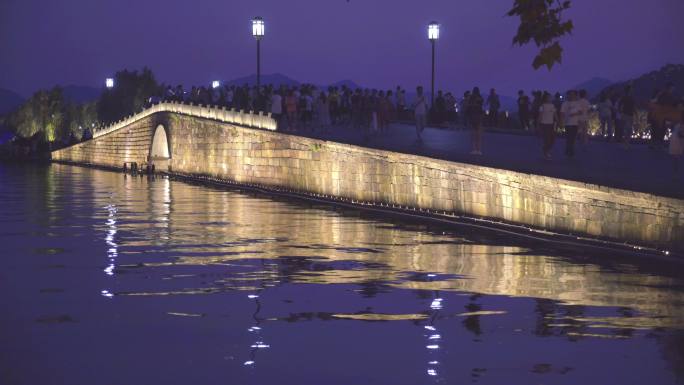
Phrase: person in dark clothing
(464,108)
(558,101)
(570,117)
(493,104)
(537,101)
(523,110)
(439,109)
(475,112)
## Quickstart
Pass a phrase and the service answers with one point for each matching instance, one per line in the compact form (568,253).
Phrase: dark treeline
(48,120)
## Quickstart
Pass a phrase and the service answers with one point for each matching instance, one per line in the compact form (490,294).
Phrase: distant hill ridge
(278,79)
(594,86)
(645,85)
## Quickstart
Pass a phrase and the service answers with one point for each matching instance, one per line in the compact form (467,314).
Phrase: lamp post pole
(433,35)
(258,80)
(432,84)
(258,30)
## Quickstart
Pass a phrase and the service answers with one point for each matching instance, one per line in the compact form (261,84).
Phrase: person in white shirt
(548,117)
(570,115)
(420,109)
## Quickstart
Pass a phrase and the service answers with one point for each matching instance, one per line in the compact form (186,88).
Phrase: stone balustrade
(218,113)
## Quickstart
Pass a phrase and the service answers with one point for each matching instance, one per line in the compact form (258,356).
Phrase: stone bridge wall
(228,151)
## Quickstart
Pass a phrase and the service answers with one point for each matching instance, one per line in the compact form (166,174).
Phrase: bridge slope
(201,145)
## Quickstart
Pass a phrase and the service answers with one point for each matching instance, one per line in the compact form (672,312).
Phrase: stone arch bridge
(245,148)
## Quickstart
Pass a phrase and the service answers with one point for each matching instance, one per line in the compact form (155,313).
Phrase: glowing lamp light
(258,27)
(215,84)
(109,83)
(433,31)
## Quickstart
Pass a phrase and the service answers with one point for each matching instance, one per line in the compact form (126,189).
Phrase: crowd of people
(308,107)
(305,107)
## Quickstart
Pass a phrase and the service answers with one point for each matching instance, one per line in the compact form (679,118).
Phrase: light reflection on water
(265,289)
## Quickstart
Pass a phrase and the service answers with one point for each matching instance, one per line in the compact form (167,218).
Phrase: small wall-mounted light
(109,83)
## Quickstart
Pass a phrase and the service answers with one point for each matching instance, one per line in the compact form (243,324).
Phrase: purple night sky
(378,43)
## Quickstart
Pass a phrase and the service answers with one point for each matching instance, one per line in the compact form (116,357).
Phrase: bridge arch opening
(159,151)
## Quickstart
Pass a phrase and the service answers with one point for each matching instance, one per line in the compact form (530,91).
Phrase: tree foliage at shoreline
(55,119)
(42,113)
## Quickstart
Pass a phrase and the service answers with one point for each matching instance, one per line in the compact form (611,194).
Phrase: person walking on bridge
(493,104)
(570,115)
(585,110)
(523,110)
(548,117)
(474,113)
(420,109)
(291,110)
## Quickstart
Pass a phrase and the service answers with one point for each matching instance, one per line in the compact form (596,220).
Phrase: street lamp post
(433,35)
(258,33)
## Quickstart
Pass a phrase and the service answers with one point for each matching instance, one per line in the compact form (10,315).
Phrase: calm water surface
(113,279)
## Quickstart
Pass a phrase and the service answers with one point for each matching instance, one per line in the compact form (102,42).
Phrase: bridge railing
(218,113)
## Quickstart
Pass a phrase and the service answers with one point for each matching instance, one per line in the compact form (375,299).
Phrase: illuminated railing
(221,114)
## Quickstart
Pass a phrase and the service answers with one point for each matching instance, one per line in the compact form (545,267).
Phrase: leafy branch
(541,22)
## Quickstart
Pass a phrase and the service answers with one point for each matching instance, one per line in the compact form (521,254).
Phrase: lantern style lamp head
(433,31)
(109,83)
(215,84)
(258,27)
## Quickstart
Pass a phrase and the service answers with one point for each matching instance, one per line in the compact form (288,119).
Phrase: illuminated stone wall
(208,147)
(128,144)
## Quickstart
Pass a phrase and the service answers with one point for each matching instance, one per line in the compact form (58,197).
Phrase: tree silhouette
(541,22)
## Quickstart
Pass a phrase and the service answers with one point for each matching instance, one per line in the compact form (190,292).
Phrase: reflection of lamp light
(215,84)
(109,83)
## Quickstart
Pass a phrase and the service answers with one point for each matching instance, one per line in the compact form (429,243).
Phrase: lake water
(113,279)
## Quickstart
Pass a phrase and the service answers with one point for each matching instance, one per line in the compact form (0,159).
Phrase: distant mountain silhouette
(594,86)
(645,85)
(9,100)
(349,83)
(275,79)
(278,79)
(81,94)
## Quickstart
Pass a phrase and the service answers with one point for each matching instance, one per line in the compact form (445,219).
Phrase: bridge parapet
(221,114)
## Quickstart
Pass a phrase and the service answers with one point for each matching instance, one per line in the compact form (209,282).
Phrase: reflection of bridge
(297,249)
(242,147)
